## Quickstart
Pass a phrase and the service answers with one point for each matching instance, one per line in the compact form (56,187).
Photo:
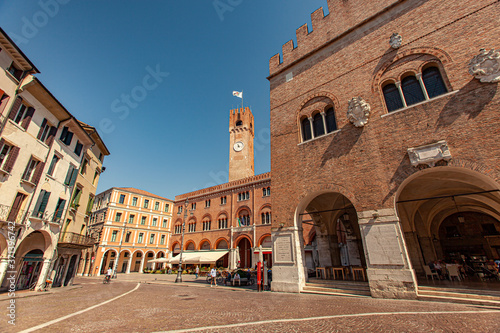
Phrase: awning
(199,257)
(160,260)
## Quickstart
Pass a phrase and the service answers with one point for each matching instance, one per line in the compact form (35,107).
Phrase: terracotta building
(228,223)
(384,128)
(132,226)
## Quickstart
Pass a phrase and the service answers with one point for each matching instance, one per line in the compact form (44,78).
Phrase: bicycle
(43,287)
(219,279)
(107,279)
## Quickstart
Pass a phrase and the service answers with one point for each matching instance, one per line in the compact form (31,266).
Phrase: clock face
(238,146)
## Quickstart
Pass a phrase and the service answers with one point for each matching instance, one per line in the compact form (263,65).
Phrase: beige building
(41,149)
(74,236)
(132,225)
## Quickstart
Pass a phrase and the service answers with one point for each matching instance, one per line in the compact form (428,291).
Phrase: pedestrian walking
(196,272)
(213,274)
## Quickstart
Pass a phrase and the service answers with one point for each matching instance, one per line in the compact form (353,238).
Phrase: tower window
(331,124)
(239,123)
(412,90)
(392,97)
(319,128)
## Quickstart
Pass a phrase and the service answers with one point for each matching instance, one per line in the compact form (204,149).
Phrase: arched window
(392,97)
(319,128)
(244,218)
(412,90)
(306,130)
(433,82)
(331,124)
(239,123)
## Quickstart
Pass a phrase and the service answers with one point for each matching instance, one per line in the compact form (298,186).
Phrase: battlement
(224,188)
(344,15)
(241,117)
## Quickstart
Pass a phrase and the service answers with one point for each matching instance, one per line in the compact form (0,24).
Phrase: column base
(392,283)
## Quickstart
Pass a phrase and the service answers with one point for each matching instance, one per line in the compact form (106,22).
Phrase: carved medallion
(486,66)
(359,111)
(396,40)
(429,154)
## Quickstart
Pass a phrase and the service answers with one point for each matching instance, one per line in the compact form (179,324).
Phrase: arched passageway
(450,218)
(244,253)
(332,236)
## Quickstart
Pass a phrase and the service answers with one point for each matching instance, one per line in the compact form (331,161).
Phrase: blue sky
(156,78)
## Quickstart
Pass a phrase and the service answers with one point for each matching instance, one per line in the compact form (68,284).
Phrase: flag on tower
(238,94)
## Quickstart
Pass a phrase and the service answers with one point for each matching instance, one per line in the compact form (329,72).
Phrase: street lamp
(179,271)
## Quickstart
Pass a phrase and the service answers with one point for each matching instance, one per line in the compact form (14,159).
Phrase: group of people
(464,267)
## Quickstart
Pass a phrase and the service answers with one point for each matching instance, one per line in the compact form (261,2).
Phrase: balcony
(75,241)
(6,215)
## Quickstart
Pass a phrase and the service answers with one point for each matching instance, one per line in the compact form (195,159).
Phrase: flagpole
(242,105)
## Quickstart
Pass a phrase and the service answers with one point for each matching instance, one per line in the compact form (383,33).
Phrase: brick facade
(348,55)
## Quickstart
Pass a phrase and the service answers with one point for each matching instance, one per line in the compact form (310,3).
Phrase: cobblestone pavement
(160,305)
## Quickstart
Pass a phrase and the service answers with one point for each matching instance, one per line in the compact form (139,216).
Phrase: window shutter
(38,203)
(68,176)
(44,122)
(9,164)
(15,108)
(44,202)
(64,133)
(38,172)
(73,177)
(27,118)
(52,134)
(3,101)
(59,209)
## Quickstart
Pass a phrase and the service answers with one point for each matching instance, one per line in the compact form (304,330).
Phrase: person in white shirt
(109,273)
(213,274)
(236,278)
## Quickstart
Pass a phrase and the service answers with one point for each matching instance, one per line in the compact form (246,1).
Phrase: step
(479,292)
(335,292)
(461,300)
(458,295)
(338,282)
(339,286)
(363,292)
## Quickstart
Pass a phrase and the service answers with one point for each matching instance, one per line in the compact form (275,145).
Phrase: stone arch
(431,198)
(219,241)
(203,242)
(440,54)
(239,238)
(190,244)
(174,244)
(262,238)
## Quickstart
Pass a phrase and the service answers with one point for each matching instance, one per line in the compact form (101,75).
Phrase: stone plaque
(382,245)
(429,154)
(282,249)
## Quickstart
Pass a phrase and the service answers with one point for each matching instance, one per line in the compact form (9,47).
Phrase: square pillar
(389,270)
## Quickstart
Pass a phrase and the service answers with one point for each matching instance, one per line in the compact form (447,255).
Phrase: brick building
(132,226)
(228,223)
(384,128)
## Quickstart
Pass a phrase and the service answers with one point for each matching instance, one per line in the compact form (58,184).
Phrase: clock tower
(241,134)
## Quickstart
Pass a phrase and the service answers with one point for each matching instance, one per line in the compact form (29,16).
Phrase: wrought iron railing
(72,238)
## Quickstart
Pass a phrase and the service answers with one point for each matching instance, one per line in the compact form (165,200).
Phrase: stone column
(44,273)
(129,264)
(3,269)
(390,274)
(323,115)
(398,85)
(141,270)
(312,127)
(324,250)
(102,262)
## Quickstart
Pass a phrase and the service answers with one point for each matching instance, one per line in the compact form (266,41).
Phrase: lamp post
(179,271)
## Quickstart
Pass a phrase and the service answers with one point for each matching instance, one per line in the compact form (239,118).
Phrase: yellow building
(133,225)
